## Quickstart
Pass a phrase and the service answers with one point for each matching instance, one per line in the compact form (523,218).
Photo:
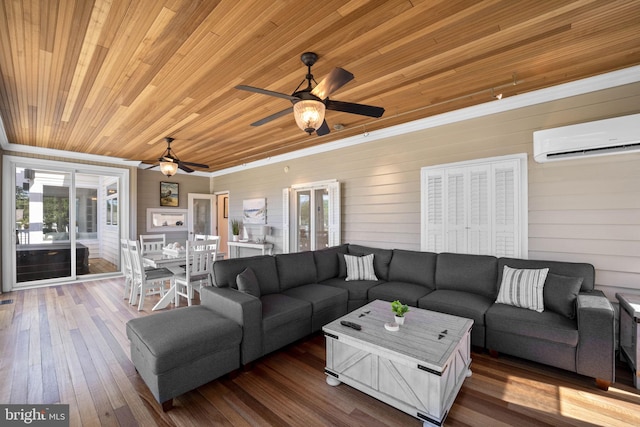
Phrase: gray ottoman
(179,350)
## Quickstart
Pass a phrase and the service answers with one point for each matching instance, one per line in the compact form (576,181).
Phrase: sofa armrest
(245,310)
(596,329)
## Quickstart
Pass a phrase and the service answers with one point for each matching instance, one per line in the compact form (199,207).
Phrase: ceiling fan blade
(337,78)
(273,117)
(350,107)
(185,168)
(195,165)
(267,92)
(323,129)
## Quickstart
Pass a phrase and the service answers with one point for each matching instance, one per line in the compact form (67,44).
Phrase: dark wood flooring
(67,344)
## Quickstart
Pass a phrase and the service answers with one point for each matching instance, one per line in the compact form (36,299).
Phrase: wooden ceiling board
(114,77)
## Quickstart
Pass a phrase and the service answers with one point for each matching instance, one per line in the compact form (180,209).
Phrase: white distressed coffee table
(418,369)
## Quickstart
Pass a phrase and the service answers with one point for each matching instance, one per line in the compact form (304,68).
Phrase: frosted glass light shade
(168,168)
(309,115)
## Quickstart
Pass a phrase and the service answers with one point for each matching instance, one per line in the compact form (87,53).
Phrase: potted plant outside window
(399,311)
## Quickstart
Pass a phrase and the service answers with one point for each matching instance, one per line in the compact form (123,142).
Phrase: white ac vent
(603,137)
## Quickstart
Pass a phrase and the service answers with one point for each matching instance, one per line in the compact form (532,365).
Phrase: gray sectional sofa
(289,296)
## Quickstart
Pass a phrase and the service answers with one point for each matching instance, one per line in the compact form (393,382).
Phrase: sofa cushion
(381,260)
(327,263)
(413,267)
(523,288)
(359,267)
(571,269)
(463,304)
(560,293)
(547,325)
(467,273)
(247,282)
(279,309)
(296,269)
(321,297)
(407,293)
(358,289)
(226,271)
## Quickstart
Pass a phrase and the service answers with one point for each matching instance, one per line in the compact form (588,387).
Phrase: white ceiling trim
(578,87)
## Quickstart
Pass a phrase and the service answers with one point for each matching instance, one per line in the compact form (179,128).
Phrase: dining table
(174,261)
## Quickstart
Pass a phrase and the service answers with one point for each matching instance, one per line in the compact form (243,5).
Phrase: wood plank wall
(579,210)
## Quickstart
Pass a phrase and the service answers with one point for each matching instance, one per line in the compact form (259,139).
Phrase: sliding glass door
(63,223)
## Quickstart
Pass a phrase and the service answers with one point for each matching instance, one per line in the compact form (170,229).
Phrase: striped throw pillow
(523,288)
(360,267)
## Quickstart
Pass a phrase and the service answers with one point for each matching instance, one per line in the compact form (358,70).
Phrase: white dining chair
(126,269)
(209,237)
(146,281)
(201,254)
(152,243)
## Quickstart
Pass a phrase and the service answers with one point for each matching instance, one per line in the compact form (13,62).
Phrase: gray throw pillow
(560,293)
(247,282)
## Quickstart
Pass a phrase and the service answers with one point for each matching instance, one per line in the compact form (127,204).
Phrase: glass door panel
(202,214)
(303,220)
(321,222)
(42,221)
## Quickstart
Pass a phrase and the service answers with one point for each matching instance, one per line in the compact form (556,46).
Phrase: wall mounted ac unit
(603,137)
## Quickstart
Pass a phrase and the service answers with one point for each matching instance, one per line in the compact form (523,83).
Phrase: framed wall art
(254,211)
(169,194)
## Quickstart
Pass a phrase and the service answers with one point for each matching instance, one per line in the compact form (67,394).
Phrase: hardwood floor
(67,344)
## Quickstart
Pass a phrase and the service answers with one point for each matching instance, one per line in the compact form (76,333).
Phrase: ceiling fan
(169,162)
(310,103)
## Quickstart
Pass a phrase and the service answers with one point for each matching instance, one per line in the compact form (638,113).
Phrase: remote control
(351,325)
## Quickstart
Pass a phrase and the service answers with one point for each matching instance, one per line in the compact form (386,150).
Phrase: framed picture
(254,211)
(225,207)
(169,194)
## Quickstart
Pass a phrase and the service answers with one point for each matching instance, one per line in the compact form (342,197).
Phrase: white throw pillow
(523,288)
(360,267)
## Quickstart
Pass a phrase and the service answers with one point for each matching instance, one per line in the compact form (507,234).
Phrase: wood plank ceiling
(114,77)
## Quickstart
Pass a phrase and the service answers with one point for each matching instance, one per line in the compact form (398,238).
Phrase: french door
(315,217)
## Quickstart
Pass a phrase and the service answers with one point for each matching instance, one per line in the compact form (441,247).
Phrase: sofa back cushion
(413,267)
(226,271)
(571,269)
(296,269)
(327,262)
(381,260)
(469,273)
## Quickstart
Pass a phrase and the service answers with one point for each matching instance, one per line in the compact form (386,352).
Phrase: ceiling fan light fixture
(309,114)
(168,168)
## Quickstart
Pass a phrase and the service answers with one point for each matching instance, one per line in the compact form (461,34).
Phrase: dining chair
(209,237)
(150,243)
(146,281)
(126,269)
(201,254)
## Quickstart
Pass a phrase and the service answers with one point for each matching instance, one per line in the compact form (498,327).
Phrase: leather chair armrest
(596,328)
(242,308)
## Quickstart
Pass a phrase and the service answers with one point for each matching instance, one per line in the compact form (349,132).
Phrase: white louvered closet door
(478,224)
(505,218)
(475,207)
(456,211)
(433,208)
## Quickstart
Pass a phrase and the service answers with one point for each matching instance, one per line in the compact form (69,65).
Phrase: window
(476,207)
